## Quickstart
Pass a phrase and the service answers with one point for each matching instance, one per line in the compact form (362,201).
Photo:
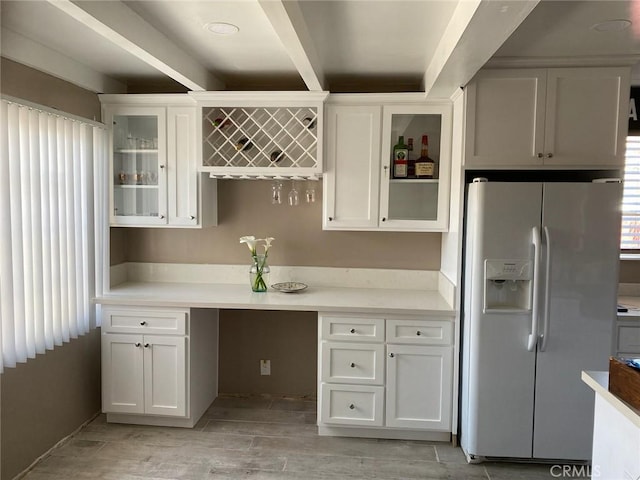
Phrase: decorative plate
(289,287)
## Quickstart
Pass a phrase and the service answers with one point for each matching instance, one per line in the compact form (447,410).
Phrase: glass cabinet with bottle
(138,166)
(388,161)
(413,183)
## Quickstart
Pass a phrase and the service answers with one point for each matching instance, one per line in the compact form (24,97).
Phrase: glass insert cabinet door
(138,167)
(415,181)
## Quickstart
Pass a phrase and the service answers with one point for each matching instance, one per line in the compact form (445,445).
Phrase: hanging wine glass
(276,192)
(310,193)
(294,197)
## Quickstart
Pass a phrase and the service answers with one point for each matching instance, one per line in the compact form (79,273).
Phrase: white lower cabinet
(146,374)
(149,378)
(419,387)
(385,377)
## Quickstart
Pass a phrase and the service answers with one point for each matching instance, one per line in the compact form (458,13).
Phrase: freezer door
(583,221)
(498,372)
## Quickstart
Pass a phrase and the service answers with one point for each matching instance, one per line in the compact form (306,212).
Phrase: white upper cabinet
(558,117)
(360,189)
(153,176)
(352,181)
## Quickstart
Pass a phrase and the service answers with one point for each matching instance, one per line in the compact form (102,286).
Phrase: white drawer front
(629,339)
(352,329)
(352,405)
(160,321)
(420,332)
(352,363)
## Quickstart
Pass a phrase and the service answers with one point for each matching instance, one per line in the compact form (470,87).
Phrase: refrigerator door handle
(547,286)
(533,336)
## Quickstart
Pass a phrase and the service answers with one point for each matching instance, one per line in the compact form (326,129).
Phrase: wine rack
(260,135)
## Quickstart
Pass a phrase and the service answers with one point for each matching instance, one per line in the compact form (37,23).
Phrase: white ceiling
(339,45)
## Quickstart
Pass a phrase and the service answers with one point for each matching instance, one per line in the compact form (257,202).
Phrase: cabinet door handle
(146,345)
(353,330)
(418,333)
(192,217)
(352,406)
(137,344)
(162,167)
(391,355)
(540,155)
(353,365)
(384,219)
(143,323)
(331,219)
(549,155)
(161,216)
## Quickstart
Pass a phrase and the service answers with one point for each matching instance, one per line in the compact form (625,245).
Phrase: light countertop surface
(599,382)
(633,306)
(235,296)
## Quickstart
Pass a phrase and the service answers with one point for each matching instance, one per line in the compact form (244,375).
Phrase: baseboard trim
(387,433)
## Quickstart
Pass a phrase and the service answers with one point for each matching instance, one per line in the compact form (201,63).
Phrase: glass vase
(259,273)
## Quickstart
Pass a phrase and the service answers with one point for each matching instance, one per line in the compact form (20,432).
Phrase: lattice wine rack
(268,141)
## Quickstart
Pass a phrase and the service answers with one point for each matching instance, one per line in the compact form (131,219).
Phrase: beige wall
(50,396)
(288,339)
(244,208)
(630,271)
(23,82)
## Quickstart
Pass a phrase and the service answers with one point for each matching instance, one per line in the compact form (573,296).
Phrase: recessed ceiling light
(611,25)
(221,28)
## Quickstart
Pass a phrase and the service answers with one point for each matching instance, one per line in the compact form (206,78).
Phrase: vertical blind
(630,236)
(48,218)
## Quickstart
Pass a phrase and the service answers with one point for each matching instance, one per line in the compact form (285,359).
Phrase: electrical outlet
(265,367)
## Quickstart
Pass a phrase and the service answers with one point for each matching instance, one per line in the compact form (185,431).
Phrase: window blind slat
(6,262)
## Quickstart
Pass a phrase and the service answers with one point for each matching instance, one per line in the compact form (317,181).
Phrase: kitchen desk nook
(385,354)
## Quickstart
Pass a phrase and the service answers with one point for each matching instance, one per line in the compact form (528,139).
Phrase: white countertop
(326,299)
(599,382)
(633,306)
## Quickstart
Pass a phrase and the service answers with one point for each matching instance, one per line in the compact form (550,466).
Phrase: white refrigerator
(540,285)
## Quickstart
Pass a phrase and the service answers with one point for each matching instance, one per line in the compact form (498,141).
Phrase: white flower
(251,242)
(267,244)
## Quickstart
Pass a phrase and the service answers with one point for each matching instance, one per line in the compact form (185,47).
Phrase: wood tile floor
(259,438)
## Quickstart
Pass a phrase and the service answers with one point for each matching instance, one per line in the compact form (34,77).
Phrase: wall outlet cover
(265,367)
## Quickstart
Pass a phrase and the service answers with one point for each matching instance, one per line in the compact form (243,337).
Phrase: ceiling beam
(288,22)
(23,50)
(476,31)
(122,26)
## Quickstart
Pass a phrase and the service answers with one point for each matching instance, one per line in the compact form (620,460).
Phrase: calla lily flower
(251,242)
(267,243)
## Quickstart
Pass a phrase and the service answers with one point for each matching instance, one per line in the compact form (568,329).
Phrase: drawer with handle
(629,339)
(352,363)
(420,332)
(145,320)
(352,405)
(359,329)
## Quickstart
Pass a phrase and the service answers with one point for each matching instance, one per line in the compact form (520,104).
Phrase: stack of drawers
(385,372)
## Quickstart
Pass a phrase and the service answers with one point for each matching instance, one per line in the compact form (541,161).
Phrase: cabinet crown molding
(136,99)
(549,62)
(409,98)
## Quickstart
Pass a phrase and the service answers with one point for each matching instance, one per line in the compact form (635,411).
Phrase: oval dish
(289,287)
